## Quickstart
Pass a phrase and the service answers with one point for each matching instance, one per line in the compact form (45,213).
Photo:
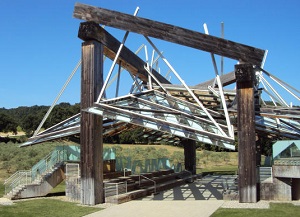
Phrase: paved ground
(161,208)
(200,198)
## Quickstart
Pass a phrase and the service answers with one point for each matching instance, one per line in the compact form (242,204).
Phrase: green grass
(46,208)
(223,169)
(2,189)
(275,210)
(61,188)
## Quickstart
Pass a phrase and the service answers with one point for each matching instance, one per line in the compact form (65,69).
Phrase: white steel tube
(230,130)
(115,61)
(157,81)
(118,80)
(147,66)
(212,55)
(283,85)
(187,88)
(57,98)
(267,91)
(220,86)
(115,77)
(274,91)
(286,84)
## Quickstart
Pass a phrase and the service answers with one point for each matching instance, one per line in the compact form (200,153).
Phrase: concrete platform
(161,208)
(200,198)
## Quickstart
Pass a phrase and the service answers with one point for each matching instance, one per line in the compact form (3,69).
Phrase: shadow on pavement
(209,187)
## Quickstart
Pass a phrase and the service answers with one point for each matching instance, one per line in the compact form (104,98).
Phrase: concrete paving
(200,198)
(161,208)
(5,201)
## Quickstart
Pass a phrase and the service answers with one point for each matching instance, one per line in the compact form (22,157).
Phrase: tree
(61,112)
(30,123)
(132,136)
(7,124)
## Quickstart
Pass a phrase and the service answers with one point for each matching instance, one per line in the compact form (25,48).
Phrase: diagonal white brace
(186,87)
(115,61)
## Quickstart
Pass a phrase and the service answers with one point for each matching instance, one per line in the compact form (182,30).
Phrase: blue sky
(39,46)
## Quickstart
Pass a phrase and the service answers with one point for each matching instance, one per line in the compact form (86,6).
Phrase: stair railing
(25,177)
(47,163)
(19,178)
(140,175)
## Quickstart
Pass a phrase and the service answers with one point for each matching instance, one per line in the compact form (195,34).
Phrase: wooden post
(91,143)
(245,80)
(189,155)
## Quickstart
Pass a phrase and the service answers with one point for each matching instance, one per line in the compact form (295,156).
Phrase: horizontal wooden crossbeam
(170,33)
(129,60)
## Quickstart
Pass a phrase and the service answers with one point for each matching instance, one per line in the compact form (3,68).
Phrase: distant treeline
(27,119)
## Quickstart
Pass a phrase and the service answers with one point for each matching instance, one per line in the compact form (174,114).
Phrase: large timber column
(245,80)
(91,143)
(189,155)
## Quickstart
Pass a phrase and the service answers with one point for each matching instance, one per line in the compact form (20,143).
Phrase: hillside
(27,119)
(13,158)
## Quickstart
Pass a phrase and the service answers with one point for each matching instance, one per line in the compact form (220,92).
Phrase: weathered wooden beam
(91,132)
(245,78)
(129,60)
(170,33)
(226,80)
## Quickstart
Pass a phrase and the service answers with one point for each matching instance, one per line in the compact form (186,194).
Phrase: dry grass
(3,175)
(206,162)
(171,149)
(10,134)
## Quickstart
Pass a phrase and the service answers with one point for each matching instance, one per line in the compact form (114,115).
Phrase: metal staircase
(43,176)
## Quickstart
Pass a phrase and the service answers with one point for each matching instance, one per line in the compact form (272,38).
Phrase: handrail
(16,174)
(20,178)
(44,165)
(25,177)
(126,170)
(140,175)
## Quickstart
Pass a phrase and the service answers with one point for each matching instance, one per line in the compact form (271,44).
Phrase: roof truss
(161,112)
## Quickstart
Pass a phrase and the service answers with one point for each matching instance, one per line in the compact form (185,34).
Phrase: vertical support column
(91,142)
(189,155)
(245,80)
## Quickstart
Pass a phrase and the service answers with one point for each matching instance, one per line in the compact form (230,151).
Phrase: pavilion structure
(205,113)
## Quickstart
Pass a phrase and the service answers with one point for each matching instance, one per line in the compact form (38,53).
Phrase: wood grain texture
(246,133)
(129,60)
(170,33)
(91,132)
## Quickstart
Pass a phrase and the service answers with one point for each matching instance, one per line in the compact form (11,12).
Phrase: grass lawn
(45,207)
(61,188)
(2,189)
(224,169)
(275,210)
